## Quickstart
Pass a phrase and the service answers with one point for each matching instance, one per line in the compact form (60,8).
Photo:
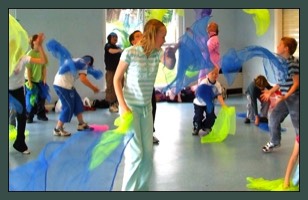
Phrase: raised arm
(43,58)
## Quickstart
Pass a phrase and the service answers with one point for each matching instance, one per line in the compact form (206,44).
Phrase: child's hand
(125,109)
(39,39)
(30,84)
(265,95)
(170,52)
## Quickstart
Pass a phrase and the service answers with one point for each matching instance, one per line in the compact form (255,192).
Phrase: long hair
(151,28)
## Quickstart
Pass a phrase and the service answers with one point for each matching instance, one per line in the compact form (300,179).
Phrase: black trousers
(20,144)
(153,107)
(199,122)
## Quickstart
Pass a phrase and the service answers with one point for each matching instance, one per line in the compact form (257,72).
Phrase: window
(125,21)
(290,25)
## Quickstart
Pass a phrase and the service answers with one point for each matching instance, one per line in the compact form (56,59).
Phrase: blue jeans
(263,110)
(280,112)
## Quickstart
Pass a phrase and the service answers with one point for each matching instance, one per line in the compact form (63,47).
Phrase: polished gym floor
(181,161)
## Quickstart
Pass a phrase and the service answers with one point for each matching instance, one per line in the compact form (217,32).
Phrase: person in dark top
(253,93)
(112,57)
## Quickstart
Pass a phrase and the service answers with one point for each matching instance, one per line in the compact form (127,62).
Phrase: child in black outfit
(200,106)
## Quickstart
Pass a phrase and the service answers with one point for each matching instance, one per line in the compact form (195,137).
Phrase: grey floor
(181,161)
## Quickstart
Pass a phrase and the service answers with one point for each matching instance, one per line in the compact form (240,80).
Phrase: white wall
(246,36)
(237,30)
(82,31)
(225,18)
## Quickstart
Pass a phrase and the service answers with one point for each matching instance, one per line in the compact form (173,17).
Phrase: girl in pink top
(213,47)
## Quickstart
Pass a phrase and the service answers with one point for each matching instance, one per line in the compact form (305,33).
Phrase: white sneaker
(26,152)
(204,132)
(269,147)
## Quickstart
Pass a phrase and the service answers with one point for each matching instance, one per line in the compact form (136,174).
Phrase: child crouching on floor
(200,107)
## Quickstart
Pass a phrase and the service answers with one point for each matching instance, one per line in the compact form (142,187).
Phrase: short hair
(88,58)
(32,39)
(132,36)
(291,43)
(112,34)
(213,27)
(261,81)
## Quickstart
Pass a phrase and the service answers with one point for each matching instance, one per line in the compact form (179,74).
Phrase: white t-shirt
(216,87)
(17,80)
(67,79)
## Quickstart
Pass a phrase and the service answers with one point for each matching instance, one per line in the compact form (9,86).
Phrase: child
(140,64)
(16,89)
(70,99)
(213,46)
(253,92)
(134,38)
(200,106)
(288,102)
(36,73)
